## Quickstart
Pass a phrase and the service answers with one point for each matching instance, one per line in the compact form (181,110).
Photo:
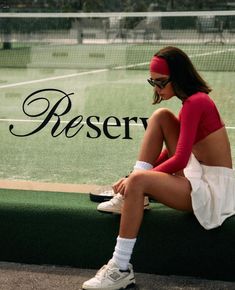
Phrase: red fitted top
(198,118)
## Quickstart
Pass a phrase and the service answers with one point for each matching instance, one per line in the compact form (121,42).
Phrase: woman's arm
(189,120)
(161,158)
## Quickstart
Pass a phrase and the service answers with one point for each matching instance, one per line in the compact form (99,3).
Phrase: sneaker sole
(129,285)
(100,197)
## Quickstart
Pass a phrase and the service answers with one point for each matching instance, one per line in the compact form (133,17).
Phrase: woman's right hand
(119,185)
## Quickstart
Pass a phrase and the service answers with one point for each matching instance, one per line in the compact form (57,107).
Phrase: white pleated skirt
(213,192)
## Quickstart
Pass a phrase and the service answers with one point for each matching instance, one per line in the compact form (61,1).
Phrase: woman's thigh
(171,190)
(170,127)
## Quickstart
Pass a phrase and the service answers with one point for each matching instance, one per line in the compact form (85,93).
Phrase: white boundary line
(83,123)
(212,52)
(70,75)
(66,122)
(53,78)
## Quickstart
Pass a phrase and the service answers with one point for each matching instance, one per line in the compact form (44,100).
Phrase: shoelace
(102,272)
(116,199)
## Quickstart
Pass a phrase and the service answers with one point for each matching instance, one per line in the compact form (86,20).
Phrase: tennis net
(116,40)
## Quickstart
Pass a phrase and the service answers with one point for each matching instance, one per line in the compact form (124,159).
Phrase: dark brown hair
(184,77)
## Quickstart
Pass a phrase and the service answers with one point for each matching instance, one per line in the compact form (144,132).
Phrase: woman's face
(165,91)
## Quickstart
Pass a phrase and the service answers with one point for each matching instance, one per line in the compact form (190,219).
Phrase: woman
(194,173)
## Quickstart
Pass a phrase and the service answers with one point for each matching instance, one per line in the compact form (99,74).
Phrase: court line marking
(83,123)
(53,78)
(66,122)
(102,70)
(212,52)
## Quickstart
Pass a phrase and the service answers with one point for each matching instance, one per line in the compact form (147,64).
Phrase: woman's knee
(136,182)
(163,115)
(169,125)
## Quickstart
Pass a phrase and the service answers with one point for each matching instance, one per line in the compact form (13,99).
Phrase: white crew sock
(122,252)
(142,165)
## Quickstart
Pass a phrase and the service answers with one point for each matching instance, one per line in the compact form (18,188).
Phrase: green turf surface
(66,229)
(120,93)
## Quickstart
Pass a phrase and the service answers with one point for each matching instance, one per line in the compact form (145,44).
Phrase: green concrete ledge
(65,229)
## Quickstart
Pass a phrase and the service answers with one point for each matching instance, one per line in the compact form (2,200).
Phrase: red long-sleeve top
(198,118)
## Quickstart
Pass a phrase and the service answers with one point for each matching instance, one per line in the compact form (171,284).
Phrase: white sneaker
(115,204)
(109,277)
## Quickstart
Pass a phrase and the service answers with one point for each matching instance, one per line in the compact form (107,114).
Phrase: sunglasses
(159,84)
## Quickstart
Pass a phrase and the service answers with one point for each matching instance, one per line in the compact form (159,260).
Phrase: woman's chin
(165,97)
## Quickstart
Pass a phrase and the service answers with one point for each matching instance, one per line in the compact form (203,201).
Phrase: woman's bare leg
(173,191)
(163,127)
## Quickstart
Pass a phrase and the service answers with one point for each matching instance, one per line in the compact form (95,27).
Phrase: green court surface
(102,90)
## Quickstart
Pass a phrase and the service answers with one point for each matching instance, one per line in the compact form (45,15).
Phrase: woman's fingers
(118,185)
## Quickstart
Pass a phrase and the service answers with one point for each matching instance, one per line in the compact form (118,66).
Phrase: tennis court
(109,87)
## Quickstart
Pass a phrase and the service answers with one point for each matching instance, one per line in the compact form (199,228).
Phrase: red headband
(159,65)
